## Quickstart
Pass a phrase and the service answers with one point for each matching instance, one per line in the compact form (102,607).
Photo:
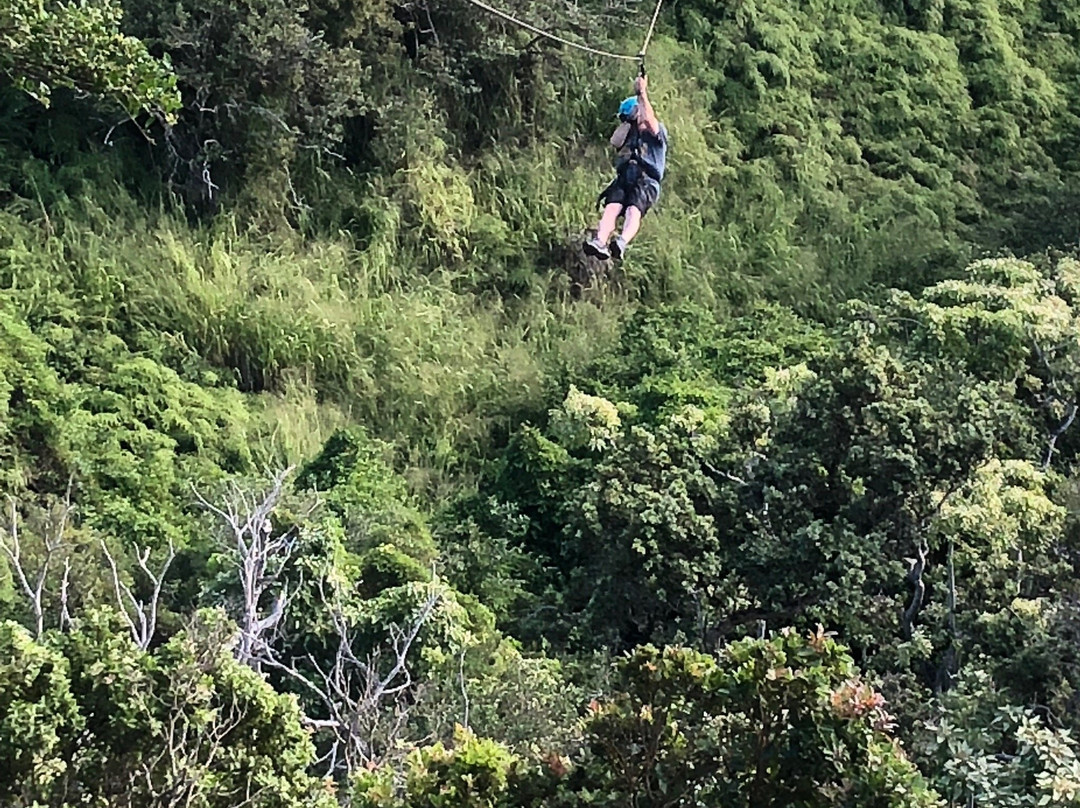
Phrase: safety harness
(629,168)
(634,159)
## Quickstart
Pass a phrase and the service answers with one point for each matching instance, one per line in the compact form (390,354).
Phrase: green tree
(79,45)
(986,752)
(782,721)
(110,724)
(38,712)
(472,773)
(779,721)
(258,83)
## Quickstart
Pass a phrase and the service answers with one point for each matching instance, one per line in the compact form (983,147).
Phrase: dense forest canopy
(333,472)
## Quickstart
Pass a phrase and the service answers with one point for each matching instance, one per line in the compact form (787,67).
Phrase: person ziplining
(640,141)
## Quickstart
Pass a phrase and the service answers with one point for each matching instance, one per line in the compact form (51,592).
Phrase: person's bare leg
(631,224)
(609,220)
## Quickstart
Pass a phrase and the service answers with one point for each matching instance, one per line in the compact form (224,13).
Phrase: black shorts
(640,192)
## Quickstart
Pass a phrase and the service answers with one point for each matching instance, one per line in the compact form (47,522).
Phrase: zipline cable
(640,58)
(648,36)
(536,30)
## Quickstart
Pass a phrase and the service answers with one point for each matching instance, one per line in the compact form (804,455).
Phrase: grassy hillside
(315,421)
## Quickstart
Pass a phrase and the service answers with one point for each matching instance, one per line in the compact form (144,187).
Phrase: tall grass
(428,299)
(316,336)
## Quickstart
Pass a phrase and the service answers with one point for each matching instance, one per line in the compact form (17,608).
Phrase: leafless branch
(430,25)
(131,608)
(355,696)
(464,688)
(189,745)
(1062,428)
(1054,397)
(32,582)
(12,547)
(260,557)
(65,614)
(1051,376)
(715,472)
(916,568)
(360,697)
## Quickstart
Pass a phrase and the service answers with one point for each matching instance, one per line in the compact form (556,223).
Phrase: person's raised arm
(646,114)
(618,138)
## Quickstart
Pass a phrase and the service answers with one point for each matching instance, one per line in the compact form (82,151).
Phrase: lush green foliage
(799,439)
(777,722)
(90,718)
(79,46)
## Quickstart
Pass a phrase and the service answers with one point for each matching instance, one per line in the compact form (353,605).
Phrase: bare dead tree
(1060,430)
(1053,397)
(32,581)
(916,568)
(131,608)
(65,585)
(362,699)
(191,742)
(190,750)
(260,557)
(464,685)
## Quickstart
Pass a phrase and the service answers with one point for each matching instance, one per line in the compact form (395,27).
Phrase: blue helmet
(627,107)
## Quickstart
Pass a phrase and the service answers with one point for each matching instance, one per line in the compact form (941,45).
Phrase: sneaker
(618,247)
(596,249)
